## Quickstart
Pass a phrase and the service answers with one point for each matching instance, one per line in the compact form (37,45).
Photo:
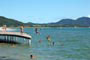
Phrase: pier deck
(16,34)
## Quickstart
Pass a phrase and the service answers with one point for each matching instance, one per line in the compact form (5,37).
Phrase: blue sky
(44,11)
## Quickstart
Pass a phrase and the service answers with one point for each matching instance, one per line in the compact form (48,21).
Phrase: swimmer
(48,38)
(53,43)
(40,41)
(13,46)
(32,57)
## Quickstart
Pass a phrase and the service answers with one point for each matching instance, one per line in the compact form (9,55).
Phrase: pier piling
(13,36)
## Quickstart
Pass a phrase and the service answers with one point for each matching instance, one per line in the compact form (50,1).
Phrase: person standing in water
(40,41)
(22,29)
(53,43)
(36,31)
(32,57)
(4,28)
(49,38)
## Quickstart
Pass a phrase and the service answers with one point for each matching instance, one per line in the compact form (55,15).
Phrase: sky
(44,11)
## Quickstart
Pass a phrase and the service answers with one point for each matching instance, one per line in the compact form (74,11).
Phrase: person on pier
(22,29)
(4,28)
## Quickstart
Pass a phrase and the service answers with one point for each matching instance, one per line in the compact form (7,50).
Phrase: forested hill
(79,22)
(9,22)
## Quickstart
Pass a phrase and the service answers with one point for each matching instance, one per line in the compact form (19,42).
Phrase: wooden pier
(13,36)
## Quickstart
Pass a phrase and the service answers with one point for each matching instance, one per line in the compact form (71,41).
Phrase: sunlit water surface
(70,44)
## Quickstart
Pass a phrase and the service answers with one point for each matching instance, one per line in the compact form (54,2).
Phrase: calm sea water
(70,44)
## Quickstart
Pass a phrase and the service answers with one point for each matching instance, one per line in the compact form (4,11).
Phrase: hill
(80,22)
(9,22)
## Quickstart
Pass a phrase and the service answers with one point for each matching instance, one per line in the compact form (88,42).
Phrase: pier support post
(29,42)
(16,39)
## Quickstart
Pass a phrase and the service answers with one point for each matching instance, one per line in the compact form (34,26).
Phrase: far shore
(50,27)
(43,27)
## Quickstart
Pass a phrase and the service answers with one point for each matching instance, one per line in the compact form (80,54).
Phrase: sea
(65,44)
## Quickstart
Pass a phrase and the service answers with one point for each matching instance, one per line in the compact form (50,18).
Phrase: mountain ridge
(80,22)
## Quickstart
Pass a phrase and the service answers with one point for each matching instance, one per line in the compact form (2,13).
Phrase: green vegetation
(80,22)
(9,22)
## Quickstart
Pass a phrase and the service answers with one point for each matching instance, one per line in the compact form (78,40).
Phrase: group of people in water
(48,37)
(4,28)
